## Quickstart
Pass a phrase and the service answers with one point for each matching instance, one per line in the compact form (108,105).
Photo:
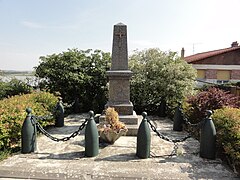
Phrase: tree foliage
(159,75)
(13,87)
(77,75)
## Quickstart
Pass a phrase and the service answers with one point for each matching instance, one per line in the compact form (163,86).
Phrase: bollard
(59,113)
(162,108)
(208,138)
(76,106)
(178,119)
(143,138)
(91,137)
(28,134)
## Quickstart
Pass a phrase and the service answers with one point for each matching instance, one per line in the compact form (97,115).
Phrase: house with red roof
(218,66)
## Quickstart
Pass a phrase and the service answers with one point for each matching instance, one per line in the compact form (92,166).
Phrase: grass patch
(4,154)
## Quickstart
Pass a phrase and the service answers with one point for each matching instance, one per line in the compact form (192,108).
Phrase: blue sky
(33,28)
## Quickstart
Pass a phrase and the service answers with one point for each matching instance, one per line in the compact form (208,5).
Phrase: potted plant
(111,129)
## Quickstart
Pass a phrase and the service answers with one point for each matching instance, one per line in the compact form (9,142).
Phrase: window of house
(223,76)
(222,81)
(201,74)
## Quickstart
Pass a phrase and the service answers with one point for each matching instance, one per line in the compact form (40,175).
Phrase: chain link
(187,122)
(193,129)
(175,148)
(197,125)
(44,132)
(175,141)
(165,137)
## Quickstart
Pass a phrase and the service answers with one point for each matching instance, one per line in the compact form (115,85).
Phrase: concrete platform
(66,160)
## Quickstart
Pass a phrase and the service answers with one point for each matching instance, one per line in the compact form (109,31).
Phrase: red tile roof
(204,55)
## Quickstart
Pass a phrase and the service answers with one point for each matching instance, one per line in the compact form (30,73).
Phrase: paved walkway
(65,160)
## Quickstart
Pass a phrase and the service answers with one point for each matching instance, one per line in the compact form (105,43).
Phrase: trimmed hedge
(227,122)
(12,115)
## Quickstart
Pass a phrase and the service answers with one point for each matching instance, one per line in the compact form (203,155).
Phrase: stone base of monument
(122,108)
(132,122)
(132,129)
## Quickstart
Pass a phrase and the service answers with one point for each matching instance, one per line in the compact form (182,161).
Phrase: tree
(78,75)
(159,76)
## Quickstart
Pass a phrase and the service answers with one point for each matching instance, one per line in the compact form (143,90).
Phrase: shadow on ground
(63,156)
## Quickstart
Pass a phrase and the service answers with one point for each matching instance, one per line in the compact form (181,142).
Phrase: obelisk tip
(120,24)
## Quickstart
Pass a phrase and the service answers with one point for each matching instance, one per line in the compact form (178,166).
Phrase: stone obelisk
(119,76)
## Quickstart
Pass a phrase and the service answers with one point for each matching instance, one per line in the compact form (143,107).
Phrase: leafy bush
(227,122)
(78,75)
(211,99)
(12,115)
(157,77)
(13,87)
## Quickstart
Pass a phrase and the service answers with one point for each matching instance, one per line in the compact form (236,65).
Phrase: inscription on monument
(120,34)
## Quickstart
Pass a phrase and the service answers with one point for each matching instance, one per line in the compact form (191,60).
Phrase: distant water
(29,79)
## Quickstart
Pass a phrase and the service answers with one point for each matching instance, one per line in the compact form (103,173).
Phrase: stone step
(132,122)
(132,129)
(126,119)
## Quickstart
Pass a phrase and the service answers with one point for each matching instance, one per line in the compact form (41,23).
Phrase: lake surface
(29,79)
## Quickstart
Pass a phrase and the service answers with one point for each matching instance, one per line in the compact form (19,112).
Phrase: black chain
(175,141)
(165,137)
(197,125)
(74,134)
(187,122)
(175,148)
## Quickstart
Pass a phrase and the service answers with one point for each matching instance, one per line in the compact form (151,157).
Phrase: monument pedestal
(119,81)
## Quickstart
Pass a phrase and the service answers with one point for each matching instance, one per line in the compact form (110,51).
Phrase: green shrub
(3,89)
(159,77)
(13,87)
(211,99)
(227,122)
(12,115)
(78,75)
